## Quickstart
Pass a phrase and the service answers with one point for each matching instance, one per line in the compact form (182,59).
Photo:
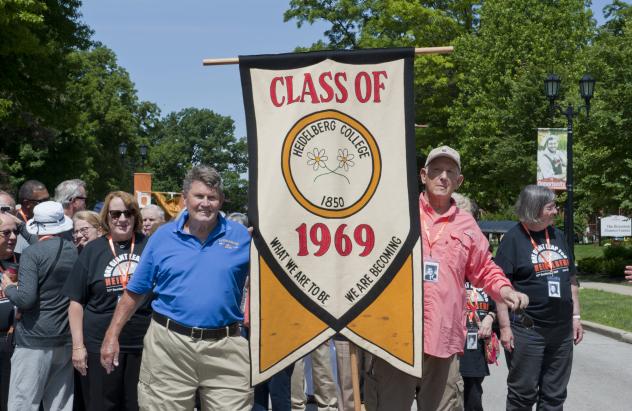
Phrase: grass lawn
(588,250)
(606,308)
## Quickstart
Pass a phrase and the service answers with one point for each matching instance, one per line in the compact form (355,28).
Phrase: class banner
(552,158)
(333,199)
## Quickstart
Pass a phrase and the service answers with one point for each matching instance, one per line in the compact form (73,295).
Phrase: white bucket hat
(48,219)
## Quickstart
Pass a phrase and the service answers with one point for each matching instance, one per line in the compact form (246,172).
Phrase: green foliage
(590,265)
(199,136)
(617,251)
(36,38)
(604,150)
(614,310)
(500,101)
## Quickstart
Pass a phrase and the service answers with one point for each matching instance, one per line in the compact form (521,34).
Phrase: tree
(604,145)
(36,38)
(401,23)
(501,101)
(199,136)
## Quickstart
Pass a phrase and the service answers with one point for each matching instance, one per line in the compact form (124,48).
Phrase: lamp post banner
(333,198)
(552,158)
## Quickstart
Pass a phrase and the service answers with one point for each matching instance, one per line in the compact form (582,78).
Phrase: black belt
(197,333)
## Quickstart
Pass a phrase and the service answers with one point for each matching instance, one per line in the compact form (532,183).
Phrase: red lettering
(326,87)
(341,87)
(290,91)
(377,85)
(363,77)
(308,89)
(273,92)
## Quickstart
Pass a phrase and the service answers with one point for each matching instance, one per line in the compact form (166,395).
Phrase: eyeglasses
(116,214)
(7,233)
(82,231)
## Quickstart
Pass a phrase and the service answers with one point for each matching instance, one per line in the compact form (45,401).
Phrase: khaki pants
(343,360)
(453,395)
(322,378)
(174,366)
(388,389)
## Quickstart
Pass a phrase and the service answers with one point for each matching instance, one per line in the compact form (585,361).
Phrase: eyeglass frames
(7,233)
(82,231)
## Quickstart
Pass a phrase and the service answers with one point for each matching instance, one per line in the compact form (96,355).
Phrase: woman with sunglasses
(99,278)
(87,227)
(539,341)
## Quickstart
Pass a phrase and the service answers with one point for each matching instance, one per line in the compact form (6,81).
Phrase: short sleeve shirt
(96,283)
(197,284)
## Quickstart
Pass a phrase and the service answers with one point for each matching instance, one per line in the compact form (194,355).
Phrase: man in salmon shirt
(454,251)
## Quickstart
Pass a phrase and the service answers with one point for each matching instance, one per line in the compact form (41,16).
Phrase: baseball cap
(444,151)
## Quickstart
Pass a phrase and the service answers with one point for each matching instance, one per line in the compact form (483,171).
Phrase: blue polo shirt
(196,284)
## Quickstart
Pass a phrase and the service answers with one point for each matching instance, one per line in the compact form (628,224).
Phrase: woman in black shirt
(98,280)
(539,342)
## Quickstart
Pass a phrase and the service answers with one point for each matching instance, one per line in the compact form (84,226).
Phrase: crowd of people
(123,310)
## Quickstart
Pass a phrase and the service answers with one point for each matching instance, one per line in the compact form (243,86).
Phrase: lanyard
(472,307)
(23,215)
(548,261)
(129,262)
(46,237)
(437,237)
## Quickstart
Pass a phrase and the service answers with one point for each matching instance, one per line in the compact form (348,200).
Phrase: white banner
(552,158)
(616,226)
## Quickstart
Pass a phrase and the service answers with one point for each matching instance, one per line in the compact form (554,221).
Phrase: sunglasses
(6,209)
(116,214)
(80,198)
(7,233)
(33,201)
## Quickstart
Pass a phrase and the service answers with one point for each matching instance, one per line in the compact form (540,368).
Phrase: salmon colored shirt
(462,252)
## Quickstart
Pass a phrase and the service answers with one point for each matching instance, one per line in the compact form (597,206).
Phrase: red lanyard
(548,261)
(437,237)
(125,274)
(46,237)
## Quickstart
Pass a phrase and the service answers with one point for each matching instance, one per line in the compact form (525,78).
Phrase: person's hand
(628,273)
(506,338)
(578,331)
(80,360)
(7,281)
(513,299)
(485,328)
(109,353)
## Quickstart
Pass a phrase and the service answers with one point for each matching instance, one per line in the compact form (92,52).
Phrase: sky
(162,44)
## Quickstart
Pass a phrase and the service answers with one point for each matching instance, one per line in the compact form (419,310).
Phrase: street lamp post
(132,160)
(586,90)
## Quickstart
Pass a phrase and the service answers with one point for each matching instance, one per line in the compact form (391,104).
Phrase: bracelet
(78,348)
(577,317)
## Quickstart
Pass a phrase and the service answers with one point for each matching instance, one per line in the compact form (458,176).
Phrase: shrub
(617,252)
(614,267)
(590,265)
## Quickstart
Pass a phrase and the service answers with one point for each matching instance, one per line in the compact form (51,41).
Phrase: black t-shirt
(530,273)
(96,284)
(6,307)
(473,362)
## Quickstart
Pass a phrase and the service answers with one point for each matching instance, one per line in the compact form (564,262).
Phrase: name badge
(431,271)
(554,287)
(472,340)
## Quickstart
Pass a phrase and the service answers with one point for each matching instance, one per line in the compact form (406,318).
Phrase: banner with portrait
(552,158)
(333,198)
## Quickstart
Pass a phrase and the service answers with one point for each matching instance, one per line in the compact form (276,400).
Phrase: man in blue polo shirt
(196,268)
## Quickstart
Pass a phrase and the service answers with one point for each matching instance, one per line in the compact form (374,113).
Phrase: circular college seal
(331,164)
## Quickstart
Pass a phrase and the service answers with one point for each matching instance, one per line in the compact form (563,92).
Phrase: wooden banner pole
(355,377)
(418,51)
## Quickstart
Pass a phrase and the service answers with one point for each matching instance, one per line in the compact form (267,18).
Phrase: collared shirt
(463,254)
(196,284)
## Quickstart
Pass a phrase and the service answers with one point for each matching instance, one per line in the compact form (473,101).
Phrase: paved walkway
(611,288)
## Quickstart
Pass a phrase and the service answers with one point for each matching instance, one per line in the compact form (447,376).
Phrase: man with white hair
(153,216)
(72,195)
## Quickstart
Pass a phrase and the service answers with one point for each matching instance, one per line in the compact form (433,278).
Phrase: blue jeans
(539,367)
(278,388)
